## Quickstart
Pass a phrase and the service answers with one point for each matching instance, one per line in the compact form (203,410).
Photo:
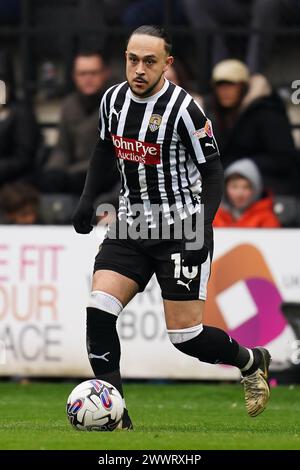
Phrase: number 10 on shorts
(189,272)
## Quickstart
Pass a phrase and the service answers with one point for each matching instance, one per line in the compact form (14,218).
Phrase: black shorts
(140,259)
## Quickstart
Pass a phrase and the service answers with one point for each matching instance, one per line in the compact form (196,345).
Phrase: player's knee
(105,302)
(180,336)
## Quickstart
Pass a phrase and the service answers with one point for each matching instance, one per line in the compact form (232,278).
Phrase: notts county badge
(155,122)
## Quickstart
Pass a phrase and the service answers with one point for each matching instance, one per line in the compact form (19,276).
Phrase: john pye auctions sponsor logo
(136,150)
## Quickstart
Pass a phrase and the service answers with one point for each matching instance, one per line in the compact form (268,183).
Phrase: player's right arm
(102,162)
(196,134)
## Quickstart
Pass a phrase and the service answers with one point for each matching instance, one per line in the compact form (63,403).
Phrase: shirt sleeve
(196,134)
(104,132)
(102,166)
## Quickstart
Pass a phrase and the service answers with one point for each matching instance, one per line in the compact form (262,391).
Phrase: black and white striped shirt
(160,143)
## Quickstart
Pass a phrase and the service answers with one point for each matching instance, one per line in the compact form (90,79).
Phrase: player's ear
(169,62)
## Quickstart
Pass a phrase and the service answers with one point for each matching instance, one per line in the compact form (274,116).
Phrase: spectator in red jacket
(245,204)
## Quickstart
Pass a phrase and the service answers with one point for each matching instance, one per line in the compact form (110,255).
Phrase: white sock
(250,362)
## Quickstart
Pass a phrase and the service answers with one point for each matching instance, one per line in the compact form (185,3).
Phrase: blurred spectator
(250,119)
(19,204)
(144,12)
(49,82)
(257,14)
(177,74)
(245,204)
(19,132)
(85,16)
(10,11)
(66,168)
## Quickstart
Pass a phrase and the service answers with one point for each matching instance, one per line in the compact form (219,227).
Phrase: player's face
(239,192)
(90,74)
(229,94)
(146,63)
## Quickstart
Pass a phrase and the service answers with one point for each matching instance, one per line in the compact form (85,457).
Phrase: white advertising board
(45,278)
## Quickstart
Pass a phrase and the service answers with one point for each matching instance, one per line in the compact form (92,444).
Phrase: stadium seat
(291,311)
(57,209)
(287,209)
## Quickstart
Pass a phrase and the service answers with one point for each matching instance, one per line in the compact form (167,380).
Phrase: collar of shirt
(152,97)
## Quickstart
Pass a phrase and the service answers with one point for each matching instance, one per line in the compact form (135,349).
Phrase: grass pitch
(185,416)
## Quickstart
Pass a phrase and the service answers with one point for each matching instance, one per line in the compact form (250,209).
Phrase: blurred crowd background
(238,58)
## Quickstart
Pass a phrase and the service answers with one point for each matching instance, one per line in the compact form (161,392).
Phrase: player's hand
(195,257)
(82,217)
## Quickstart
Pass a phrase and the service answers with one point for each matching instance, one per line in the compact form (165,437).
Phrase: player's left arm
(196,134)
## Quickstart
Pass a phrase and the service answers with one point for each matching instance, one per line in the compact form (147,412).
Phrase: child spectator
(245,204)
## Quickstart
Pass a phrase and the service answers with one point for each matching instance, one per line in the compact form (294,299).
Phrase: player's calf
(215,346)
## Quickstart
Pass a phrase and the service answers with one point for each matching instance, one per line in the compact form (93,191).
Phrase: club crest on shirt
(155,122)
(205,131)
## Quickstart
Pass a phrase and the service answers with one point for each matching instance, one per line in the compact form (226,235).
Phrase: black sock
(215,346)
(115,379)
(103,341)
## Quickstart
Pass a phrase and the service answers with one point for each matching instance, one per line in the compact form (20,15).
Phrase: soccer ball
(95,405)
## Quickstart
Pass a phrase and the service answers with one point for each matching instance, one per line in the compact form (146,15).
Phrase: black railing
(27,35)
